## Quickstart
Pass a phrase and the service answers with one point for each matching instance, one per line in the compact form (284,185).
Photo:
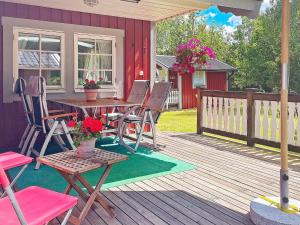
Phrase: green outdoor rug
(143,165)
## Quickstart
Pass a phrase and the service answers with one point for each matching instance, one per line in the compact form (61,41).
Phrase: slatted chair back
(158,98)
(35,89)
(138,91)
(19,89)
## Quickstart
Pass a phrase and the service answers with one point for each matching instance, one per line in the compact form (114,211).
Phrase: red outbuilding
(214,77)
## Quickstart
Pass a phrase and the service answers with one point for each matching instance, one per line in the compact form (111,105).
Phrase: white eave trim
(149,10)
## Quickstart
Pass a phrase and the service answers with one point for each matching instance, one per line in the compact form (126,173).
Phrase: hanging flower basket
(191,56)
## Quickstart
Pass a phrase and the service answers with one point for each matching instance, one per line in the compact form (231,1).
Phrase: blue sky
(213,16)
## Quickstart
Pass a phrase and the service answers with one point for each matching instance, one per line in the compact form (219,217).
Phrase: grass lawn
(179,121)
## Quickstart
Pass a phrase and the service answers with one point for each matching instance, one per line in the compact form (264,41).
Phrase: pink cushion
(9,160)
(38,205)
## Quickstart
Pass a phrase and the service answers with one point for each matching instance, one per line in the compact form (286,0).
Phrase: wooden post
(284,177)
(199,110)
(250,116)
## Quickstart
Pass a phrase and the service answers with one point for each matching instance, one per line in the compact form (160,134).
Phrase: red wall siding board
(138,48)
(120,23)
(129,55)
(217,81)
(112,22)
(104,21)
(135,58)
(22,11)
(85,19)
(95,21)
(45,14)
(76,18)
(66,17)
(10,9)
(34,12)
(56,15)
(146,49)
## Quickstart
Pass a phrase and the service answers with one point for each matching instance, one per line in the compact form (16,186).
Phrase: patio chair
(33,205)
(10,160)
(52,126)
(19,89)
(148,114)
(137,95)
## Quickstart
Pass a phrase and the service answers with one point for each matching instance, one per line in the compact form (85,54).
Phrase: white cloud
(265,5)
(212,15)
(235,21)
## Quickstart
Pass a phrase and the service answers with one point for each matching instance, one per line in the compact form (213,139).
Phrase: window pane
(104,47)
(103,62)
(85,74)
(28,41)
(106,77)
(29,59)
(26,73)
(85,62)
(53,77)
(51,43)
(50,60)
(86,46)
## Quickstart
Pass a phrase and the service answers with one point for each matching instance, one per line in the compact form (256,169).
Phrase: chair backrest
(4,182)
(19,89)
(36,91)
(139,91)
(158,98)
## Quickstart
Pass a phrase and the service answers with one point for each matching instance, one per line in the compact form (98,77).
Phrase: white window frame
(79,88)
(61,34)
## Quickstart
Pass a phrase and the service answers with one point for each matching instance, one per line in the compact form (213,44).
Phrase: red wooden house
(214,77)
(67,40)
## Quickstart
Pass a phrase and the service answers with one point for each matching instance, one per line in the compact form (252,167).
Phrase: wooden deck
(218,192)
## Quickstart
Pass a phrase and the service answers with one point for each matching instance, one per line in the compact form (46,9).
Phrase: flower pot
(91,94)
(86,149)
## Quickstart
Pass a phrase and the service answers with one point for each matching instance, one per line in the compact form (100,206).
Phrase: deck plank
(217,192)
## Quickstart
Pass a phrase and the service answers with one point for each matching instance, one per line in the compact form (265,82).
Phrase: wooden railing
(250,116)
(173,98)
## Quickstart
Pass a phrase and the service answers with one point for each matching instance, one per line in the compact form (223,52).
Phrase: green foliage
(254,48)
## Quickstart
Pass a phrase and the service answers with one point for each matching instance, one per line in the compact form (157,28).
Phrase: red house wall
(136,44)
(215,81)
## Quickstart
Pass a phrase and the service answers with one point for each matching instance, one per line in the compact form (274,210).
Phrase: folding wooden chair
(52,126)
(148,114)
(33,205)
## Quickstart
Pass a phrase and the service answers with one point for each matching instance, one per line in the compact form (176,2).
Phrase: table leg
(99,198)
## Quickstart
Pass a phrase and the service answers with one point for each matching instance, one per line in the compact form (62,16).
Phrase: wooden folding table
(72,168)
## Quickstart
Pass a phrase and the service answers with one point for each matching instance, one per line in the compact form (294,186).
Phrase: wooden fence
(250,116)
(173,98)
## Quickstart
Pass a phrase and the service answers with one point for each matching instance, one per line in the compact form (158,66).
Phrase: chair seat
(133,118)
(38,206)
(9,160)
(113,116)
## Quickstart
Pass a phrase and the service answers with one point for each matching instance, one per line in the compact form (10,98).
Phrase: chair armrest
(55,111)
(59,116)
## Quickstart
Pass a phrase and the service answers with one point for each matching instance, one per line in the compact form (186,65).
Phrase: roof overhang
(150,10)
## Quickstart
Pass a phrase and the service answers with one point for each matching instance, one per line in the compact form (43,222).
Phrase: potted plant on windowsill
(85,134)
(91,88)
